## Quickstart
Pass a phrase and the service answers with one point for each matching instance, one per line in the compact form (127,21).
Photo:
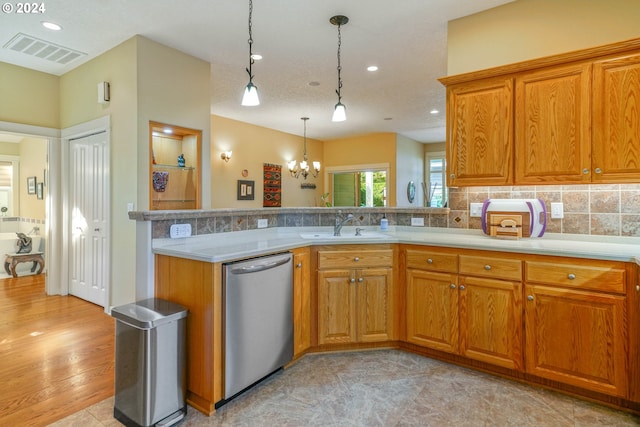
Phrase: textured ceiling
(406,39)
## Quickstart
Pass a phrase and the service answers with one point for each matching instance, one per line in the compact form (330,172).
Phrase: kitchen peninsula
(561,311)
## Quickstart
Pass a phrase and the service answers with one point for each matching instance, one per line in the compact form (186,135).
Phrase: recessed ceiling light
(434,111)
(51,26)
(256,57)
(372,68)
(314,83)
(388,118)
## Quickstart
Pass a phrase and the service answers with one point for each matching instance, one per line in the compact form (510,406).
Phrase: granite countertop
(222,247)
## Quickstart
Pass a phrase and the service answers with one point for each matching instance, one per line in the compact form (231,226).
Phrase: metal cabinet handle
(353,280)
(299,265)
(530,297)
(453,175)
(360,279)
(598,170)
(487,267)
(462,288)
(585,171)
(429,261)
(356,259)
(452,286)
(571,276)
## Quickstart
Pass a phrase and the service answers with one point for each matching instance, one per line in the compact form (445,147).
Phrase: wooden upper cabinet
(616,110)
(553,125)
(480,133)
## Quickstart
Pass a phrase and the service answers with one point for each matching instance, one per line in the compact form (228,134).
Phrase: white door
(89,209)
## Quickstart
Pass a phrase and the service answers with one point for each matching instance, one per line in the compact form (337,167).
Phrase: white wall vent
(34,46)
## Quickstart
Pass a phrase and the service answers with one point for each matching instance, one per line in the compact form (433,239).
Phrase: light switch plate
(475,209)
(557,210)
(177,231)
(263,223)
(417,222)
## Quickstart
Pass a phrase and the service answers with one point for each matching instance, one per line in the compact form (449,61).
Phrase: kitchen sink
(350,235)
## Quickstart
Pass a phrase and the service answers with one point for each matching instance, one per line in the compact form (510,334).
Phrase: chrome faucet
(340,222)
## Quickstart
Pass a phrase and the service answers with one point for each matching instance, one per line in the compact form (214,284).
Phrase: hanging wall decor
(272,186)
(245,190)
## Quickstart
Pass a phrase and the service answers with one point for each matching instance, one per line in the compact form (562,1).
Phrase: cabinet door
(432,310)
(616,130)
(301,301)
(577,338)
(480,137)
(491,321)
(553,125)
(336,306)
(374,304)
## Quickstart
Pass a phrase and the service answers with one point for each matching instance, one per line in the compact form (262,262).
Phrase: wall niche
(174,167)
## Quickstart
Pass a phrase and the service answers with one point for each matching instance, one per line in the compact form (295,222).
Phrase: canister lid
(149,313)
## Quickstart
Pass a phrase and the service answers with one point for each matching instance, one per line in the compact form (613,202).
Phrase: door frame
(52,135)
(63,223)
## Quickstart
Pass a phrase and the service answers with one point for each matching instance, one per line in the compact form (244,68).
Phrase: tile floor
(386,388)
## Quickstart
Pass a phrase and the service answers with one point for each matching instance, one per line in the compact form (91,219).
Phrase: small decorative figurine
(181,160)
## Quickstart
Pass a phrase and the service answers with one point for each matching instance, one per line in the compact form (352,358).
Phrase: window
(362,186)
(436,183)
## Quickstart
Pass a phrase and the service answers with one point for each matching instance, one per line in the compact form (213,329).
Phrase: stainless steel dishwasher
(258,328)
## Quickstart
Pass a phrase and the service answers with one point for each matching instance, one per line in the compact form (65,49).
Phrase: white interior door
(89,215)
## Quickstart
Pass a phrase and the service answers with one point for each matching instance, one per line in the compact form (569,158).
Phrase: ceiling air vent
(39,48)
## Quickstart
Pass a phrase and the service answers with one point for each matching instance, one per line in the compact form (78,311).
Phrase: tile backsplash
(598,209)
(611,209)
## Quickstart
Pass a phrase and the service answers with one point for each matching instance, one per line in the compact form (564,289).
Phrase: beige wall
(148,81)
(409,154)
(527,29)
(173,88)
(253,146)
(28,97)
(9,148)
(33,160)
(78,89)
(365,149)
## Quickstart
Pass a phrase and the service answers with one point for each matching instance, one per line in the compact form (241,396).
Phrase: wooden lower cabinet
(197,285)
(301,301)
(354,305)
(477,317)
(491,321)
(577,337)
(432,309)
(354,295)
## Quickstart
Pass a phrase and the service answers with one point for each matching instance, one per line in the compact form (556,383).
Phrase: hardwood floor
(56,353)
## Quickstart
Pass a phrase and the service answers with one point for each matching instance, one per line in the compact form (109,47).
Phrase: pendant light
(250,98)
(304,164)
(340,111)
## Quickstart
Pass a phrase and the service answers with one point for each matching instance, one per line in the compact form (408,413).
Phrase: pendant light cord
(250,42)
(304,119)
(339,66)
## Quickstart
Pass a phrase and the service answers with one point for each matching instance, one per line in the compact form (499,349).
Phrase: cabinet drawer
(432,261)
(355,259)
(497,268)
(604,276)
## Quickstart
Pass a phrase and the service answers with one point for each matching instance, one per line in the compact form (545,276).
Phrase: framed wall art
(246,190)
(40,190)
(31,185)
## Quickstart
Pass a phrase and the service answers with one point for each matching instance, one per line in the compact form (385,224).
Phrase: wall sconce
(226,155)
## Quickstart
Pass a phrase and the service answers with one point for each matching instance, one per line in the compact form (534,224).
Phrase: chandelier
(303,169)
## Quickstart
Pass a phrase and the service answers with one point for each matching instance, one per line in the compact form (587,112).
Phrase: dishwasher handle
(254,268)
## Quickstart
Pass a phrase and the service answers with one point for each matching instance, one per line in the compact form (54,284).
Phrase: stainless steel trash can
(150,379)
